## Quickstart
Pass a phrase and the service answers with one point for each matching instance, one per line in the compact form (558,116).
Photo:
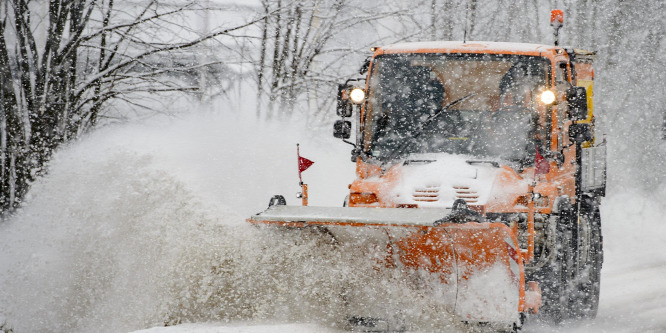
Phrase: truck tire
(554,276)
(585,299)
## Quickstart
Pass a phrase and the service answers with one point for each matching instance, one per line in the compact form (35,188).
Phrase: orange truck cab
(503,130)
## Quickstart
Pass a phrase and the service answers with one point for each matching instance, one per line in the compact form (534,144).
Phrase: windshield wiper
(425,123)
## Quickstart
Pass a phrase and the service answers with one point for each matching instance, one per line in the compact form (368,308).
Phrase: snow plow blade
(477,262)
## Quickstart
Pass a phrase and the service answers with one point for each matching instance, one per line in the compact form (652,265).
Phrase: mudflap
(472,270)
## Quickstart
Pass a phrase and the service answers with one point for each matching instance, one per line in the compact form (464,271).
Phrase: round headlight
(357,95)
(547,97)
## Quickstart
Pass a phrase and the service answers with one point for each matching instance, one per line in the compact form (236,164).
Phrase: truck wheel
(554,276)
(585,301)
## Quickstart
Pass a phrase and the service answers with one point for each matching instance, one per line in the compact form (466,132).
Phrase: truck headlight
(547,97)
(357,95)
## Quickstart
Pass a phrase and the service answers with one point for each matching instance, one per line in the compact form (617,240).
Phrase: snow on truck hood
(436,180)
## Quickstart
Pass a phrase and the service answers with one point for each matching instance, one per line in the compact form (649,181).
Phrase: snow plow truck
(474,161)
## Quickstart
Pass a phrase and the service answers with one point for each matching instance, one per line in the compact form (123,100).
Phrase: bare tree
(63,61)
(304,45)
(293,36)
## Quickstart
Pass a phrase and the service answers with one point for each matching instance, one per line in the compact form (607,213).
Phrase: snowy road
(142,225)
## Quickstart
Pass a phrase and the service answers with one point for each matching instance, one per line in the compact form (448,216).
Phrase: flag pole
(303,164)
(298,156)
(304,187)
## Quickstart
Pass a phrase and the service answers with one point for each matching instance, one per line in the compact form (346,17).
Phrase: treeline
(63,63)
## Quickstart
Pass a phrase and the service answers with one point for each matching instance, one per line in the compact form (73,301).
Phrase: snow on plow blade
(478,263)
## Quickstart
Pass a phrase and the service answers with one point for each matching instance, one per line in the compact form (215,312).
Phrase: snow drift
(143,225)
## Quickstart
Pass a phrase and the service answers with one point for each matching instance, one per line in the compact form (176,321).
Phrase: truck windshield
(496,116)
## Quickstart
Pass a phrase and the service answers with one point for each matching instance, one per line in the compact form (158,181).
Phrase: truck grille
(427,194)
(467,194)
(431,194)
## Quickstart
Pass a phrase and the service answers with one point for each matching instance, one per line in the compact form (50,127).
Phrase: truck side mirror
(580,133)
(342,129)
(343,106)
(577,103)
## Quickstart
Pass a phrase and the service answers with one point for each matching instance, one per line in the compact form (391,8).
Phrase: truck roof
(469,47)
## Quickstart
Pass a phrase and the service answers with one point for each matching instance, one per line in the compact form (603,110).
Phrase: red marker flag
(541,165)
(303,163)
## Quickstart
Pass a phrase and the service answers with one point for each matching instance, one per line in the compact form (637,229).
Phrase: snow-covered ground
(143,225)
